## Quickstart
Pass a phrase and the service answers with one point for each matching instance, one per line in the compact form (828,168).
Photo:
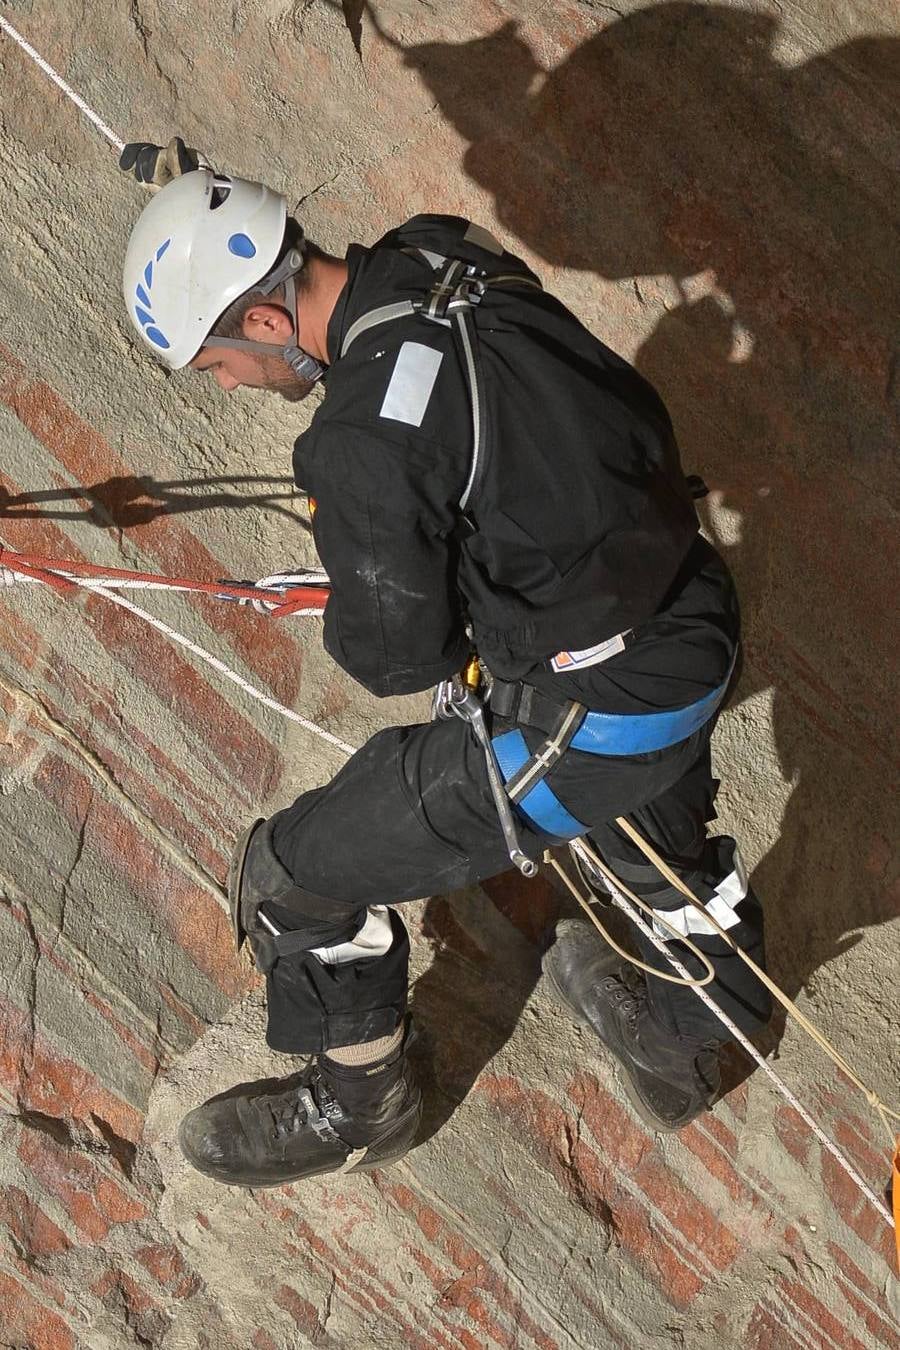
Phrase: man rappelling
(491,479)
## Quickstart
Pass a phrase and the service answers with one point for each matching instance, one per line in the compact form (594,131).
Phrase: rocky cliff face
(710,187)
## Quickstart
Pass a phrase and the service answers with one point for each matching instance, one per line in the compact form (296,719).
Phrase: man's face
(234,369)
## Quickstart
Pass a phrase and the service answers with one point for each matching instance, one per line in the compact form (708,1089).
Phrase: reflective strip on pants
(728,895)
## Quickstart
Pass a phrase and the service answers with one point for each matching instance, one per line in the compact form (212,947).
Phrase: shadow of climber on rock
(751,194)
(485,965)
(126,501)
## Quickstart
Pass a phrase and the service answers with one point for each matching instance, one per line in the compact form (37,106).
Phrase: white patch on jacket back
(411,384)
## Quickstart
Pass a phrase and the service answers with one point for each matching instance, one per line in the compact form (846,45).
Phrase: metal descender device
(456,698)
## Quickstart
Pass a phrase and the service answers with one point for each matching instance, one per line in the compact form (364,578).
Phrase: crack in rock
(26,1064)
(353,11)
(92,759)
(79,850)
(140,26)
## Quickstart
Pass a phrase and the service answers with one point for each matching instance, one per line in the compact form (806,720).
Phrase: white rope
(9,577)
(886,1113)
(575,846)
(624,904)
(98,588)
(285,581)
(220,666)
(66,88)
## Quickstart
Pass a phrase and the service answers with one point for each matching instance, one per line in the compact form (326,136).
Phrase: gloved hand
(156,165)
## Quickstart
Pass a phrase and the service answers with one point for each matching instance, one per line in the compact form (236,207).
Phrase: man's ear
(267,323)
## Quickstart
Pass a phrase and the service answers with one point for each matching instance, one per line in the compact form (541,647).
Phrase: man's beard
(280,379)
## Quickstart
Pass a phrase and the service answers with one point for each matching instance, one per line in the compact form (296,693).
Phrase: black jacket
(584,524)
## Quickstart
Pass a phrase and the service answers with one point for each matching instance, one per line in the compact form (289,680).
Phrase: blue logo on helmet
(242,246)
(144,306)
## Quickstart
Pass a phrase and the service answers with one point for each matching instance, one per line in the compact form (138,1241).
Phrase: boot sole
(623,1077)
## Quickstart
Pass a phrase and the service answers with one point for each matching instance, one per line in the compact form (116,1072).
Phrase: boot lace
(627,1003)
(310,1102)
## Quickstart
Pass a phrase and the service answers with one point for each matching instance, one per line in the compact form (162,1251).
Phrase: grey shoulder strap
(374,317)
(441,299)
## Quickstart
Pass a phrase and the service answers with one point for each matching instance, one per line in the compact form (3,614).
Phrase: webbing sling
(638,733)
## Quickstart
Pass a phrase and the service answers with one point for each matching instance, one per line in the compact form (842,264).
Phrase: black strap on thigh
(548,753)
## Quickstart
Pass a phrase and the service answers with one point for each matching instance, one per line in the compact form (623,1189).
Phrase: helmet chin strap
(304,366)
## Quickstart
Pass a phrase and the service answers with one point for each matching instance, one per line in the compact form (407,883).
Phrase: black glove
(157,165)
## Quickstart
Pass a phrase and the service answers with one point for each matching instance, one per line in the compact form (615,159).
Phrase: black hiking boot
(669,1079)
(327,1118)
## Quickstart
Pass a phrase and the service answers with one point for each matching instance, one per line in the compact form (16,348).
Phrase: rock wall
(711,188)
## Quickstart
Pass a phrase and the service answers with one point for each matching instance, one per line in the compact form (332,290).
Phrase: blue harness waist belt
(608,734)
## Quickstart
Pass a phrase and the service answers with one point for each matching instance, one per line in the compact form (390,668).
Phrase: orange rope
(48,569)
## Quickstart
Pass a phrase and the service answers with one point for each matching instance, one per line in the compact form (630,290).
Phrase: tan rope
(607,937)
(652,936)
(820,1039)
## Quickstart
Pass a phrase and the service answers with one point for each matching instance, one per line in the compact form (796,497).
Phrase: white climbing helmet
(201,242)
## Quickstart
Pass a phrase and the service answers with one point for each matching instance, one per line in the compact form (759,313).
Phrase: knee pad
(256,878)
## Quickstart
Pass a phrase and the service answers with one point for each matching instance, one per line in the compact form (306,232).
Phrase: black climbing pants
(411,815)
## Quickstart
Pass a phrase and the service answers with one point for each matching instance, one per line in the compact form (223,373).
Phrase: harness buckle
(314,1118)
(458,287)
(471,290)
